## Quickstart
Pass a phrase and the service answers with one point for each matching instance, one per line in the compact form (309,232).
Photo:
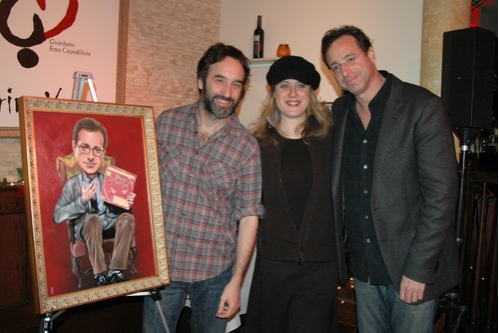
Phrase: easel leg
(79,81)
(156,296)
(48,321)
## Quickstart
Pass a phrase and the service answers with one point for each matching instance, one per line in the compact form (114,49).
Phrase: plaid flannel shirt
(206,190)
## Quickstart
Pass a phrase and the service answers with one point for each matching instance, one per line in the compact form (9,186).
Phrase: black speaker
(469,77)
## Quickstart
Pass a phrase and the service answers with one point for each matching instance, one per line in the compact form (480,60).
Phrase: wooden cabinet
(16,300)
(122,314)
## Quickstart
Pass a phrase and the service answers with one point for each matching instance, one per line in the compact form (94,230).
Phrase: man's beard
(215,110)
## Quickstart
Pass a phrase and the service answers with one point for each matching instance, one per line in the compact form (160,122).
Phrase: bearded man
(211,187)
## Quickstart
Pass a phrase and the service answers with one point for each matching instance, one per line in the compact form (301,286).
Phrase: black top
(296,171)
(358,156)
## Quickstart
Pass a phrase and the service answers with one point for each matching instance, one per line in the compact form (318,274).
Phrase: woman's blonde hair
(317,109)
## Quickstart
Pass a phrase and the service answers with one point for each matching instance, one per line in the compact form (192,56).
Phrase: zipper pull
(300,259)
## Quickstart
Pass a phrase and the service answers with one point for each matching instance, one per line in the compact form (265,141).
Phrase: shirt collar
(379,101)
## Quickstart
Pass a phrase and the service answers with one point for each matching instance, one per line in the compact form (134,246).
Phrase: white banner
(44,42)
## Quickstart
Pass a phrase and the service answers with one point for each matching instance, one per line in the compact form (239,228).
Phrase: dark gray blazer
(414,189)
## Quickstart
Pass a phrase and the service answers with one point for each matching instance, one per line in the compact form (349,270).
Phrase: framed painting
(78,234)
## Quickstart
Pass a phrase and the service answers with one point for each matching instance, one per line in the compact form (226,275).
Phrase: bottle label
(257,47)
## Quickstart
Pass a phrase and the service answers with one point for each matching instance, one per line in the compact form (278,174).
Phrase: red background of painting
(52,135)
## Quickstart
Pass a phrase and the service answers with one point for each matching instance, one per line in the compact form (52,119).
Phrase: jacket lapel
(389,123)
(273,155)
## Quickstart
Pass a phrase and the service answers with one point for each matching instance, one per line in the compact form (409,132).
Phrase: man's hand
(411,291)
(231,297)
(89,192)
(229,301)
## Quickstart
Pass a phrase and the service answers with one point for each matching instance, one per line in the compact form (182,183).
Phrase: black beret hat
(293,67)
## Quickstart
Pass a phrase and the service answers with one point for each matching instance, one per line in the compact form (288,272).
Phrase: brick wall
(10,152)
(164,41)
(160,44)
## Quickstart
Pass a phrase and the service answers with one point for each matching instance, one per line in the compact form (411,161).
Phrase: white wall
(394,26)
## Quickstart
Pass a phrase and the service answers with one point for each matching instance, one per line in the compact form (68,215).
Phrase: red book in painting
(118,184)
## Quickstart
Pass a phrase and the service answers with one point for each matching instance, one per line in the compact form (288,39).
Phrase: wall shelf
(262,62)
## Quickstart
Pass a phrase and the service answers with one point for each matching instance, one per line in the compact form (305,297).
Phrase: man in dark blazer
(399,180)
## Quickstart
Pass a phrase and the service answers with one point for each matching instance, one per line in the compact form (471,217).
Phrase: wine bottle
(258,39)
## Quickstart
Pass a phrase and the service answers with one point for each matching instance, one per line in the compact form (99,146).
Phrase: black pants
(291,298)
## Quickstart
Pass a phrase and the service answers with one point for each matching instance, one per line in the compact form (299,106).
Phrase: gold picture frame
(46,127)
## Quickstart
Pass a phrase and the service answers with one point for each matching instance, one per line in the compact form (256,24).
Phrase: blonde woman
(299,250)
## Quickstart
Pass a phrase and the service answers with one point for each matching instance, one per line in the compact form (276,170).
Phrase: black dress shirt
(365,259)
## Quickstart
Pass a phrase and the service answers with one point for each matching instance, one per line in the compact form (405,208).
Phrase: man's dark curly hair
(219,52)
